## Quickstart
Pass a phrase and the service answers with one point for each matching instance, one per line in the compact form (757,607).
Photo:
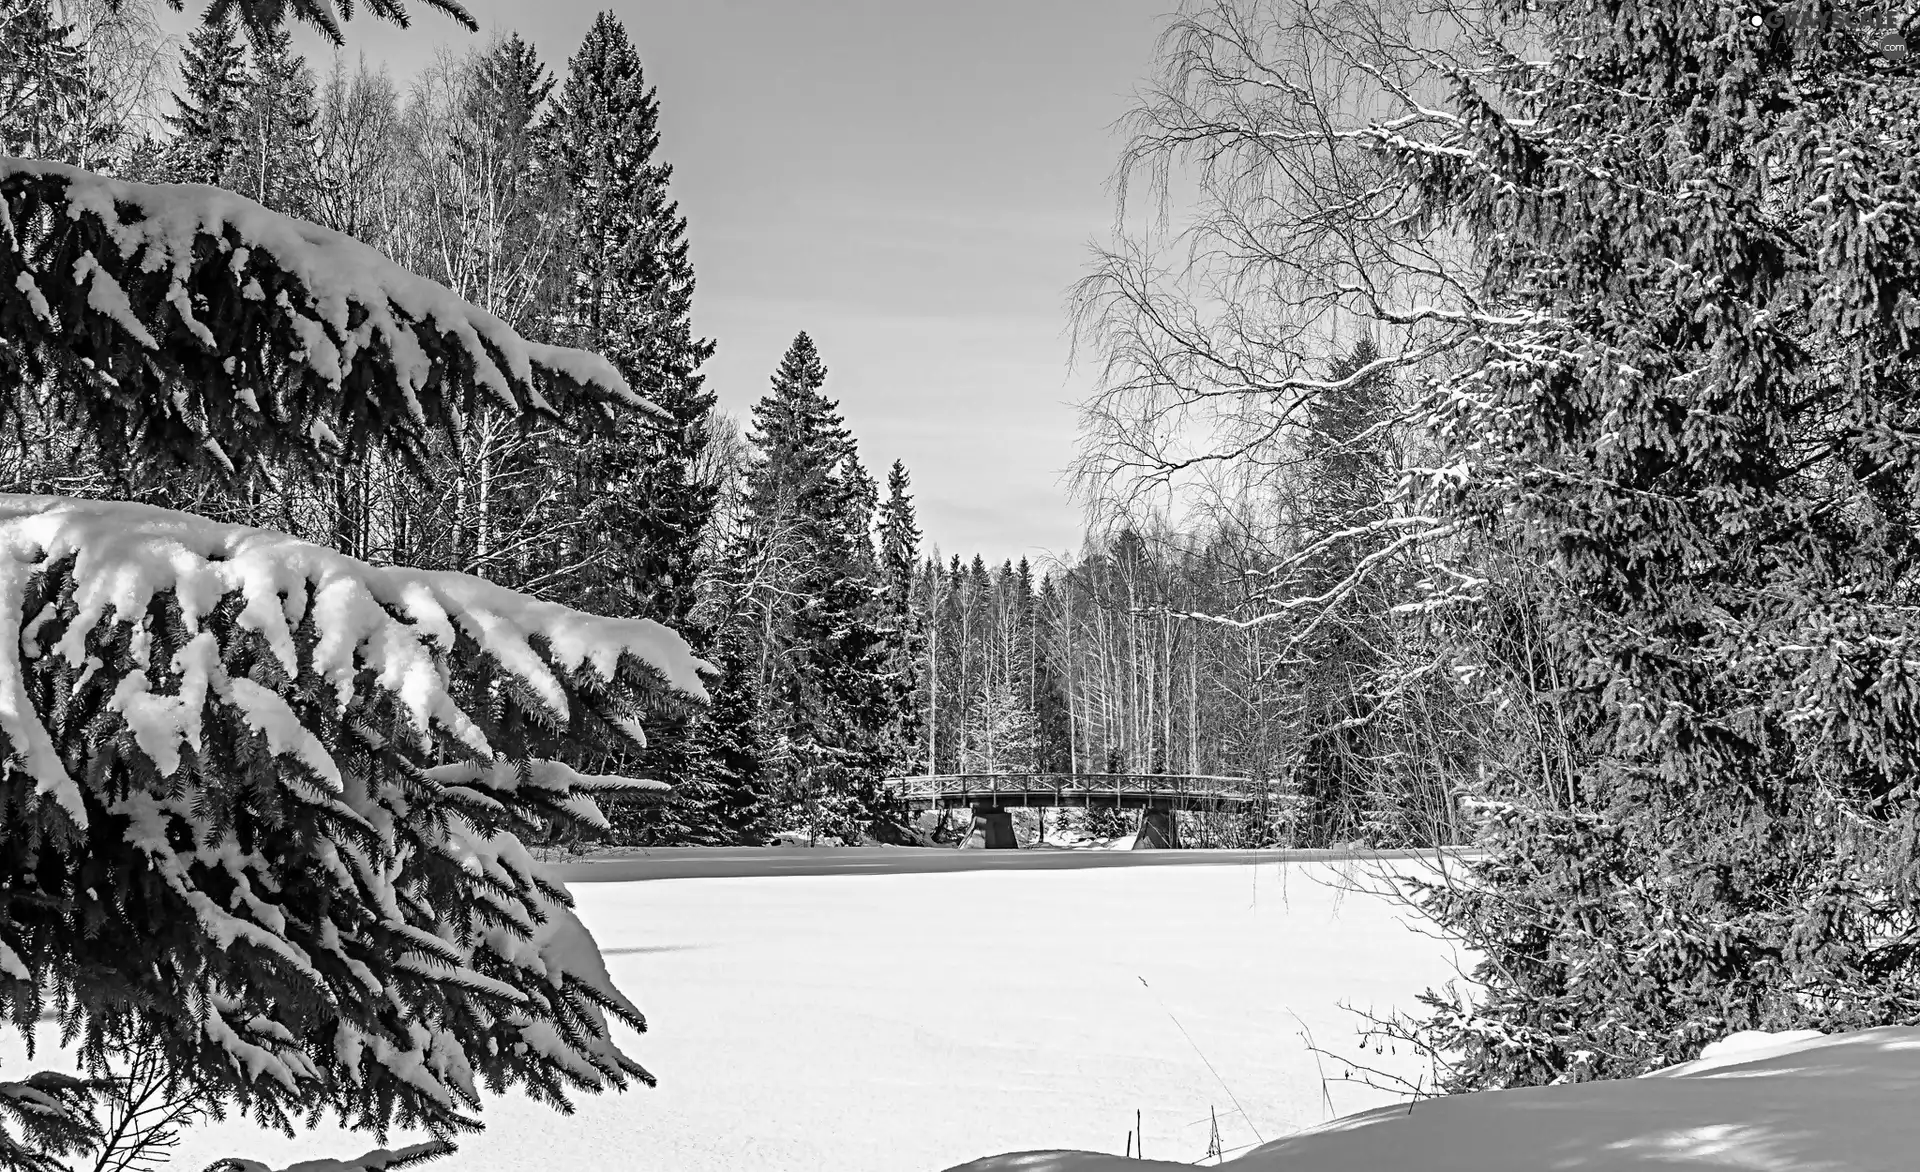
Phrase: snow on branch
(381,1160)
(386,629)
(193,325)
(286,792)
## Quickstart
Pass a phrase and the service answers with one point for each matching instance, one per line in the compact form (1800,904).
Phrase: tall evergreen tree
(626,290)
(210,106)
(1698,423)
(1348,480)
(902,625)
(899,538)
(826,687)
(44,84)
(276,160)
(629,295)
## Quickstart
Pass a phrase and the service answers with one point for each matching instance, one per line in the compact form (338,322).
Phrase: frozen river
(895,1010)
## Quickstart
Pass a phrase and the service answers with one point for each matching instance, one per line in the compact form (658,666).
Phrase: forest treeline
(849,648)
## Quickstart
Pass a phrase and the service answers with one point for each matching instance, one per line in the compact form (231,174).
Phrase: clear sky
(913,182)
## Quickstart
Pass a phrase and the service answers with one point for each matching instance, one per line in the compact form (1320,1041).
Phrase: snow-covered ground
(910,1011)
(875,1019)
(1784,1104)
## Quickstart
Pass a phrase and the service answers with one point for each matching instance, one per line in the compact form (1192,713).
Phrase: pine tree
(209,105)
(267,804)
(823,670)
(278,137)
(1348,480)
(1696,423)
(629,296)
(44,85)
(901,624)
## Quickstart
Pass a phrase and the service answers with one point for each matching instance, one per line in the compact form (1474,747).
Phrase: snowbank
(1760,1102)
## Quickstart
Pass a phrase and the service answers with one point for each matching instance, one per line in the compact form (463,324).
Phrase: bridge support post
(1159,829)
(992,830)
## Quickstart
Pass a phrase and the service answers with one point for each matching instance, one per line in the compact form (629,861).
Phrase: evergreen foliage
(1695,418)
(276,127)
(233,842)
(267,802)
(210,105)
(627,292)
(1346,490)
(263,18)
(629,296)
(900,622)
(826,688)
(44,84)
(179,330)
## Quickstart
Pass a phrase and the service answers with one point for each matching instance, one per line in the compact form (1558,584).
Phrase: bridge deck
(1126,791)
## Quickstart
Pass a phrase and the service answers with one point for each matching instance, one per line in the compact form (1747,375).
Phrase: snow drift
(1832,1104)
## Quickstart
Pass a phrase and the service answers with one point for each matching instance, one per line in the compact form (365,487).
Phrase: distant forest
(849,648)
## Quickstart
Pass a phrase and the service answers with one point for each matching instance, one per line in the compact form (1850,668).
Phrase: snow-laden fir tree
(627,285)
(265,802)
(262,18)
(812,598)
(45,87)
(209,106)
(275,162)
(1693,417)
(628,294)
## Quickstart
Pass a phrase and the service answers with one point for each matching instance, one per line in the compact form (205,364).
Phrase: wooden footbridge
(1157,795)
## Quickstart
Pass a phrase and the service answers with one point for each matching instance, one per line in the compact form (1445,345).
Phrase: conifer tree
(626,290)
(901,623)
(899,538)
(268,804)
(1697,423)
(278,137)
(262,18)
(1348,480)
(629,295)
(826,690)
(44,84)
(210,104)
(726,752)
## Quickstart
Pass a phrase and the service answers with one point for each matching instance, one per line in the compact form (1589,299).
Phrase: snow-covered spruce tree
(262,17)
(901,623)
(196,328)
(629,295)
(44,84)
(1694,417)
(209,106)
(277,148)
(627,292)
(264,802)
(810,600)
